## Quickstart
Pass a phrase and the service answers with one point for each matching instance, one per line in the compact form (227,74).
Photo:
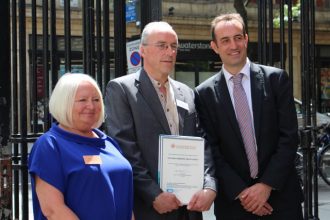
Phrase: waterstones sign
(196,50)
(188,46)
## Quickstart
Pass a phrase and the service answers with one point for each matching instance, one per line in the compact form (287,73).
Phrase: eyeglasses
(164,46)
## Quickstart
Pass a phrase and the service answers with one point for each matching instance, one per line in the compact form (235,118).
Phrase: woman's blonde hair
(63,97)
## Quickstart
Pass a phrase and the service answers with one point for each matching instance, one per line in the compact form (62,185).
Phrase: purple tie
(244,120)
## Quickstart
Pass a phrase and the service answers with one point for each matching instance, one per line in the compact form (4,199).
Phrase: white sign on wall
(133,56)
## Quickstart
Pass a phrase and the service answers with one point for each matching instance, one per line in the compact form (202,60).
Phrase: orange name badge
(92,159)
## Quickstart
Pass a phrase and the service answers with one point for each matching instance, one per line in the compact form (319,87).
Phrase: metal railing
(36,69)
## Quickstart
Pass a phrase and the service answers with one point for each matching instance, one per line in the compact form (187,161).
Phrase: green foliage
(295,15)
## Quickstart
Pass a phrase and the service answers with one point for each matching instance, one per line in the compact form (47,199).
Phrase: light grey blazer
(135,119)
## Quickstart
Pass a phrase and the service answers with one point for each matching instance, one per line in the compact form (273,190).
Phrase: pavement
(323,194)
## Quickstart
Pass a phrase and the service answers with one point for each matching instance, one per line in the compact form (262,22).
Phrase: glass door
(192,73)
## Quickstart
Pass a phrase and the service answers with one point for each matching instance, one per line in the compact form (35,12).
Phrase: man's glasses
(164,46)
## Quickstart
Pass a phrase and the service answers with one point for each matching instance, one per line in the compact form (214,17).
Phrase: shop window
(323,80)
(321,4)
(325,83)
(325,89)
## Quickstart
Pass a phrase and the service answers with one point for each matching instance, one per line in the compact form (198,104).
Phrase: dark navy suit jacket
(275,124)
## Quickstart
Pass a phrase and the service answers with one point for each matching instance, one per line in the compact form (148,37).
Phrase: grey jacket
(135,119)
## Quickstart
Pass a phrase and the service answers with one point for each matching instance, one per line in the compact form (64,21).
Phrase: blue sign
(135,58)
(130,12)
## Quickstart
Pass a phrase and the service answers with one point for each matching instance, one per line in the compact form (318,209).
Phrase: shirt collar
(157,84)
(245,70)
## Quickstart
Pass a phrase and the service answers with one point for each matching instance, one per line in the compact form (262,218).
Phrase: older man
(142,106)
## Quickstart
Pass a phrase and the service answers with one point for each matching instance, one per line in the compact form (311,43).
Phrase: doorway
(193,73)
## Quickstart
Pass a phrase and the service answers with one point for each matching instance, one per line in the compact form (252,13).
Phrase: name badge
(182,104)
(92,159)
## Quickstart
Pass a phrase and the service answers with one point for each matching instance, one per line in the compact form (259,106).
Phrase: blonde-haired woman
(78,172)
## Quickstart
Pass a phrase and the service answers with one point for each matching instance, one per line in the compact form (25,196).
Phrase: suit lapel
(150,96)
(226,103)
(257,91)
(178,95)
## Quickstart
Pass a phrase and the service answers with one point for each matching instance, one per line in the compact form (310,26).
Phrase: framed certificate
(181,165)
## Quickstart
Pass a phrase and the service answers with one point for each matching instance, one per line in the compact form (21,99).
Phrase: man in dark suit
(251,126)
(140,107)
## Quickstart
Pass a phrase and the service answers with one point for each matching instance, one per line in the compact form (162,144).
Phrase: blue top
(94,177)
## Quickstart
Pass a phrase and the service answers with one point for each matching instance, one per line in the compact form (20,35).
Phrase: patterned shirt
(168,103)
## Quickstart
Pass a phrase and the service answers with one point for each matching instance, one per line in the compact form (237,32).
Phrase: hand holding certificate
(181,165)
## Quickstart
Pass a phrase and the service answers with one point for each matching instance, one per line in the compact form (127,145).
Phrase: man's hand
(265,210)
(202,200)
(166,202)
(254,199)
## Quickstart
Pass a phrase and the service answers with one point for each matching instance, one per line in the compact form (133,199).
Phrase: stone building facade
(191,19)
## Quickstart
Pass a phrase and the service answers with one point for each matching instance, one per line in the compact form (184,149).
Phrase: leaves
(295,15)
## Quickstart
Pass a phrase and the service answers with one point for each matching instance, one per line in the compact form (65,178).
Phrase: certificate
(181,165)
